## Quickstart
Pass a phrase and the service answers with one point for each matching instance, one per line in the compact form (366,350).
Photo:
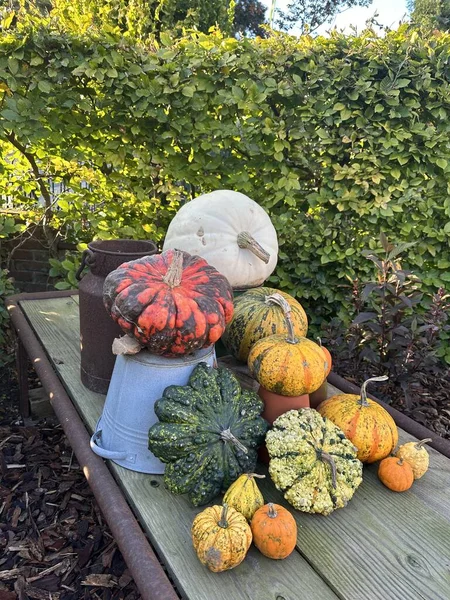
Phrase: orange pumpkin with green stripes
(365,422)
(286,364)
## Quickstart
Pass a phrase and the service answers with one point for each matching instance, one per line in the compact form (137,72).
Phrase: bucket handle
(87,259)
(97,449)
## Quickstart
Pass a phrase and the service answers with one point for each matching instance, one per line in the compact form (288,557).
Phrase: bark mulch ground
(54,542)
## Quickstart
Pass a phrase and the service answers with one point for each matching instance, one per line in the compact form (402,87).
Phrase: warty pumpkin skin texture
(365,422)
(416,455)
(274,531)
(396,474)
(208,433)
(256,316)
(244,495)
(221,537)
(172,303)
(312,462)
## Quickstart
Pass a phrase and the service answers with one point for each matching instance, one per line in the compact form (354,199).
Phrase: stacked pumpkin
(229,230)
(171,303)
(268,331)
(209,430)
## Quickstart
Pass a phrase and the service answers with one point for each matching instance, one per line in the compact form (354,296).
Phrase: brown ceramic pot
(315,398)
(274,406)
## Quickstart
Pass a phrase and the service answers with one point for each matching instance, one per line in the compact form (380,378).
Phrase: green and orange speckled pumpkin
(221,537)
(256,316)
(286,364)
(172,303)
(365,422)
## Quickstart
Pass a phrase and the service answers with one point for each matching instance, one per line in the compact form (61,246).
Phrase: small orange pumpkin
(286,364)
(396,474)
(221,537)
(365,422)
(274,531)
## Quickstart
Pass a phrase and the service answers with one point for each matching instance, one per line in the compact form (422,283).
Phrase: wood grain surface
(167,518)
(383,545)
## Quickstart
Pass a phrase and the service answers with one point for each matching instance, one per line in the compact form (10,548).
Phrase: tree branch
(31,159)
(50,236)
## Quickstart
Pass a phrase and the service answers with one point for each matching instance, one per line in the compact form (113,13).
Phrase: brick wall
(30,262)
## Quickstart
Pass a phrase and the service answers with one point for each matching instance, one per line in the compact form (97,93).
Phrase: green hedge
(337,138)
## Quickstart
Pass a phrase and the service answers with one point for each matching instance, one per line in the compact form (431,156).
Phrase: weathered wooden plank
(332,391)
(383,545)
(422,569)
(56,321)
(168,518)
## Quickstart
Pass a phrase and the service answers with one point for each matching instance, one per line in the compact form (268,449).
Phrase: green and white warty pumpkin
(312,462)
(208,434)
(231,232)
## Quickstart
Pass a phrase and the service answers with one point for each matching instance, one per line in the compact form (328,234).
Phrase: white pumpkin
(231,232)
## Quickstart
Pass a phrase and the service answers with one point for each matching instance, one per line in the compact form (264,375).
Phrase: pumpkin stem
(272,512)
(319,340)
(227,436)
(250,475)
(330,461)
(363,399)
(175,270)
(223,517)
(286,307)
(422,442)
(246,240)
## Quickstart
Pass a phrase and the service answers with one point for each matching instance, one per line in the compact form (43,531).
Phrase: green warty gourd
(312,462)
(208,433)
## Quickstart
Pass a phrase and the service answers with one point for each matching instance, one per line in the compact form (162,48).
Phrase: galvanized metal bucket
(137,382)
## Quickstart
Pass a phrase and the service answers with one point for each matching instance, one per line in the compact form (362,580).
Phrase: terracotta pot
(274,406)
(315,398)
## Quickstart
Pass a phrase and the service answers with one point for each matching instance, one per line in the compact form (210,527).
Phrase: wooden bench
(383,545)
